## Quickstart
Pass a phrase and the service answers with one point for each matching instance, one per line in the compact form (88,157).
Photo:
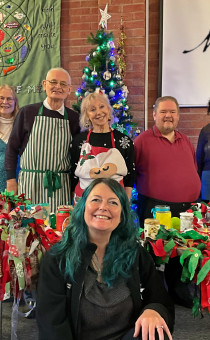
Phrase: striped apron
(45,162)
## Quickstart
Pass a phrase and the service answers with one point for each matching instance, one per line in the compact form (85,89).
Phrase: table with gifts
(27,231)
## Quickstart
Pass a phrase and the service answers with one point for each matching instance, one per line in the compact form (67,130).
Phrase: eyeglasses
(8,99)
(55,83)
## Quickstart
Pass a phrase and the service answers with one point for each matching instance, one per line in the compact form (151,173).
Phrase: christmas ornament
(111,44)
(111,93)
(100,90)
(84,76)
(118,76)
(125,91)
(94,73)
(104,17)
(112,58)
(94,53)
(107,75)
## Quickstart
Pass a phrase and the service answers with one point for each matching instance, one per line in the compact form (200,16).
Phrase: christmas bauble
(118,76)
(107,75)
(112,58)
(111,93)
(94,73)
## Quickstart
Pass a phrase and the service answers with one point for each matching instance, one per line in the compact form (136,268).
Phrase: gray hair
(61,70)
(84,120)
(163,99)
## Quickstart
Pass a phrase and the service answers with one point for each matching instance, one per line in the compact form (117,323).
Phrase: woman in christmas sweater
(100,152)
(8,111)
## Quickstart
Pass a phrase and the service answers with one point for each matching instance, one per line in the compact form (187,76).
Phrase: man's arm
(12,185)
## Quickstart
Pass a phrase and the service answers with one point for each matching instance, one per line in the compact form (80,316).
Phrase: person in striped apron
(42,135)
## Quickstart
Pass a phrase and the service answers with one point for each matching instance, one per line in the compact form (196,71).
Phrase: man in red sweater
(166,175)
(165,163)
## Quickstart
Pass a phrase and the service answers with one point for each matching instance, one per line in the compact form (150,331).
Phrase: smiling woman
(8,111)
(100,152)
(101,280)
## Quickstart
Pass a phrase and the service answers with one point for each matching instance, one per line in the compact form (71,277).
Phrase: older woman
(100,151)
(98,282)
(8,111)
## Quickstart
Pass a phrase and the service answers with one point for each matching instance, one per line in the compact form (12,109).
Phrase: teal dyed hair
(121,250)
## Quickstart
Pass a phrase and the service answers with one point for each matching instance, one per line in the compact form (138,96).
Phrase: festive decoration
(121,50)
(103,75)
(104,17)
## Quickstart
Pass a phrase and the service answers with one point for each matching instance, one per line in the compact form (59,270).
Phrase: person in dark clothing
(203,160)
(42,135)
(98,282)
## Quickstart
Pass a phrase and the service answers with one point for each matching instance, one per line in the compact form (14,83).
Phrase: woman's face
(102,210)
(7,103)
(98,113)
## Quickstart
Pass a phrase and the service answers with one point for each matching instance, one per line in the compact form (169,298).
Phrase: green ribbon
(189,259)
(52,182)
(203,272)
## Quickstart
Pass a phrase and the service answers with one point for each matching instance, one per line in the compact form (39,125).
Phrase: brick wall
(79,18)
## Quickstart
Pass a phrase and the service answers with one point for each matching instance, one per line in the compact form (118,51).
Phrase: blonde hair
(85,123)
(12,89)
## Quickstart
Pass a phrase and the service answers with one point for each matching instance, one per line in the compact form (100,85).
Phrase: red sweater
(166,171)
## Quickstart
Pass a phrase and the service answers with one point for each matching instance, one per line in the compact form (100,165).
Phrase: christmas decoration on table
(201,212)
(193,248)
(104,75)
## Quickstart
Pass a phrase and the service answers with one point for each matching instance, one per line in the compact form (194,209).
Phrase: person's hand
(12,185)
(148,322)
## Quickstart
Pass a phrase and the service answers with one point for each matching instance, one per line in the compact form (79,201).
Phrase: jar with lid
(63,212)
(163,214)
(151,227)
(186,220)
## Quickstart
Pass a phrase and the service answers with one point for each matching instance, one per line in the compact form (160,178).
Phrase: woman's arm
(52,312)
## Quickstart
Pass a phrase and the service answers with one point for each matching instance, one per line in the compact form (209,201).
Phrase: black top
(22,128)
(203,150)
(122,142)
(145,285)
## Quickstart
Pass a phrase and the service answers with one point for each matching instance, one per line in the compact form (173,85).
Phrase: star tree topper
(104,17)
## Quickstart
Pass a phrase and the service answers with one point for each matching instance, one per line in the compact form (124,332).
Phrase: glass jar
(63,212)
(186,220)
(163,214)
(151,227)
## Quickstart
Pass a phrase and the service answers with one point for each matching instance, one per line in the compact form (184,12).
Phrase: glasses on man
(8,99)
(63,84)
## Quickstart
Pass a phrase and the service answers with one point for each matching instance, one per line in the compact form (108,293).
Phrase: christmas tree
(106,75)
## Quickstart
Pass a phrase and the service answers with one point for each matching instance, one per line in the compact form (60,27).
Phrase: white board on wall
(186,27)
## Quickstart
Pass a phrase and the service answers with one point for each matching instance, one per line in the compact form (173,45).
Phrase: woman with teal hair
(98,282)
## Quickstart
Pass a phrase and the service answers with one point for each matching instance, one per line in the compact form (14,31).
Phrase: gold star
(104,17)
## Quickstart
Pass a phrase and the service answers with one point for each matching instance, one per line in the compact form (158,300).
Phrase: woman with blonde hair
(8,111)
(100,151)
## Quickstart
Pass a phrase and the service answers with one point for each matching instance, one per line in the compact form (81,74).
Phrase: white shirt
(61,110)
